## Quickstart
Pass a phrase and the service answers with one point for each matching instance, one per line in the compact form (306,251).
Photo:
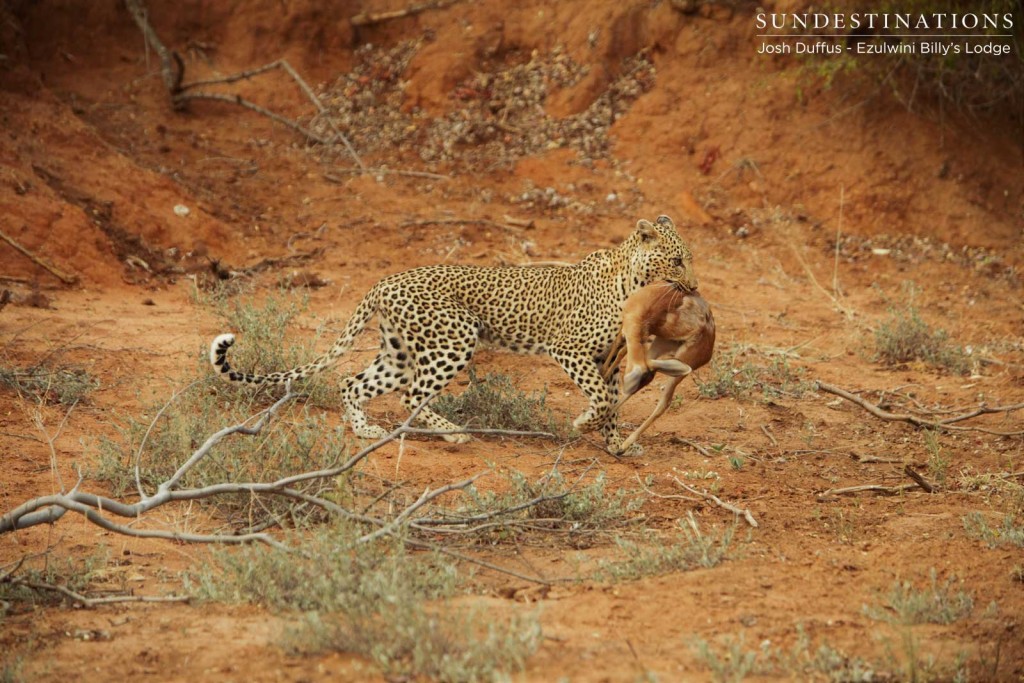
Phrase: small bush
(65,385)
(734,377)
(694,549)
(76,574)
(581,510)
(905,337)
(1011,532)
(935,604)
(369,599)
(493,402)
(733,661)
(165,435)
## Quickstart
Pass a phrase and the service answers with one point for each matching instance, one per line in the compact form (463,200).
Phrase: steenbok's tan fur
(666,329)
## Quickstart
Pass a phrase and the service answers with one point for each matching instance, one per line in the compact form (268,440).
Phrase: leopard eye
(676,261)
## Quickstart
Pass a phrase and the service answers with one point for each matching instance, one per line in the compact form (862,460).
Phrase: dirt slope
(808,206)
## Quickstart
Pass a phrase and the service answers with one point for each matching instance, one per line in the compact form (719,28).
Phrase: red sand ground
(93,161)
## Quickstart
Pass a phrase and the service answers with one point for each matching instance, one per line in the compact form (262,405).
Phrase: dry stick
(457,221)
(874,488)
(366,19)
(764,428)
(839,232)
(92,602)
(719,502)
(692,444)
(66,279)
(921,481)
(330,177)
(139,14)
(242,102)
(299,80)
(947,424)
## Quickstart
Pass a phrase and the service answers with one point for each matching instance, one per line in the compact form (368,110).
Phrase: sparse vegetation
(166,432)
(974,82)
(581,509)
(1010,533)
(939,458)
(693,549)
(733,661)
(736,376)
(77,574)
(494,402)
(63,384)
(937,603)
(370,599)
(905,337)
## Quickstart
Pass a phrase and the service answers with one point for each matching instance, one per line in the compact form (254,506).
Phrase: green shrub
(369,599)
(493,402)
(63,384)
(693,549)
(524,508)
(906,337)
(1011,532)
(732,376)
(937,603)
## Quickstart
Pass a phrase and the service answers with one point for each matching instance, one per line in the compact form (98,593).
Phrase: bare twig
(333,178)
(921,481)
(457,221)
(138,11)
(63,277)
(242,102)
(947,424)
(93,602)
(767,432)
(718,501)
(368,19)
(692,444)
(872,488)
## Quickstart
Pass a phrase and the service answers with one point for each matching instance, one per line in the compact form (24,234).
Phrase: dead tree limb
(63,277)
(86,601)
(947,424)
(920,480)
(865,488)
(368,19)
(180,92)
(172,79)
(742,512)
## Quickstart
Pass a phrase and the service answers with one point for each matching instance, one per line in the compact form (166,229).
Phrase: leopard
(432,319)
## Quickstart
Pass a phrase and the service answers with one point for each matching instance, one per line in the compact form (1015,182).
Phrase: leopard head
(656,252)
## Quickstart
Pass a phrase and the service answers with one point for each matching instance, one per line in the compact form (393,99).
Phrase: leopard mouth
(680,286)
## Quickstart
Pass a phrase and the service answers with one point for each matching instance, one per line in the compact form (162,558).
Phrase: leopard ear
(646,230)
(665,221)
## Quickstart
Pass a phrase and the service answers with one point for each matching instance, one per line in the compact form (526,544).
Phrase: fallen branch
(872,488)
(172,79)
(242,102)
(457,221)
(87,602)
(368,19)
(947,424)
(744,513)
(66,279)
(180,94)
(331,177)
(921,481)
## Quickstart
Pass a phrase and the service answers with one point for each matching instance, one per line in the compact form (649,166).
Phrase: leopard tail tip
(218,351)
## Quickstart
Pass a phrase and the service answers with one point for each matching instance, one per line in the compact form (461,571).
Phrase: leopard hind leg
(437,356)
(390,370)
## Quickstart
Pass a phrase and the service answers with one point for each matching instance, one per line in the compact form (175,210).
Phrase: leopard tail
(220,345)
